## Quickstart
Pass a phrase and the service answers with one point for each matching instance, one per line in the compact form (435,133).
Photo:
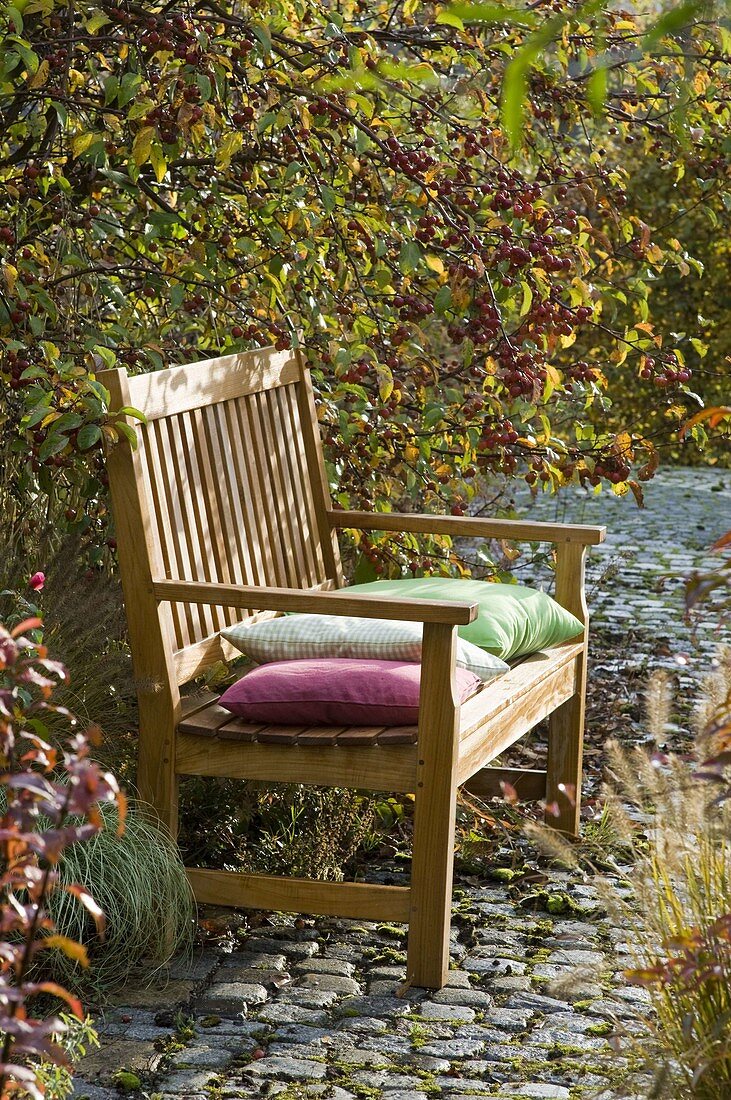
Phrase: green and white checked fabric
(302,637)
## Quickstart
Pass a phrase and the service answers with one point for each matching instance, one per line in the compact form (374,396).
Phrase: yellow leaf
(228,148)
(75,80)
(142,145)
(158,162)
(10,274)
(623,443)
(385,381)
(41,75)
(198,251)
(435,264)
(411,453)
(71,948)
(81,142)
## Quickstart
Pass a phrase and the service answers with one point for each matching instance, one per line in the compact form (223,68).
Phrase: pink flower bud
(37,581)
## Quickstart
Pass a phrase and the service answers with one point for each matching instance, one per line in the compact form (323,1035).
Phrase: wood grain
(566,724)
(319,603)
(469,527)
(300,895)
(434,811)
(179,389)
(498,731)
(387,768)
(150,625)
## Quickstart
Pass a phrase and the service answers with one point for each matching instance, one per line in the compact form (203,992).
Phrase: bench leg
(157,782)
(566,724)
(565,752)
(434,813)
(431,886)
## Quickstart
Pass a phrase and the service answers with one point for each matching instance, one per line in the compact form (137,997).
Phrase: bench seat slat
(206,722)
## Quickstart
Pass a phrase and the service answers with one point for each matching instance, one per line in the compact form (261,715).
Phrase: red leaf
(27,624)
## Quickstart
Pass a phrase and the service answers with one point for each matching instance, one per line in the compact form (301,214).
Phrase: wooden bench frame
(226,497)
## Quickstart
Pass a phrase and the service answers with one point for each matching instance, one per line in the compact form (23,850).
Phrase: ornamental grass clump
(139,881)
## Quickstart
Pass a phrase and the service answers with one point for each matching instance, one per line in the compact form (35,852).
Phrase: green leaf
(329,198)
(596,89)
(128,432)
(88,436)
(96,21)
(128,88)
(28,56)
(409,257)
(443,299)
(129,410)
(15,19)
(527,301)
(51,446)
(111,90)
(263,33)
(490,14)
(450,18)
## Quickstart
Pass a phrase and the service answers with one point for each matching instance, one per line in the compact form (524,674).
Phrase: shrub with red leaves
(51,800)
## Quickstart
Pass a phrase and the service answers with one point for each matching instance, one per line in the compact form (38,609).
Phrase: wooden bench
(223,512)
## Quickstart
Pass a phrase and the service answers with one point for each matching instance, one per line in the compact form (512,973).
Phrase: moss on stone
(603,1028)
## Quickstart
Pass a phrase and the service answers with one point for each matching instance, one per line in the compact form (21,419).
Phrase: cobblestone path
(309,1009)
(309,1012)
(635,578)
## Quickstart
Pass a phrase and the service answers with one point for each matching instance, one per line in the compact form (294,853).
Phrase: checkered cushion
(302,637)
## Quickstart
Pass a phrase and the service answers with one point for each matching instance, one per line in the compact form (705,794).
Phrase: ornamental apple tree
(436,201)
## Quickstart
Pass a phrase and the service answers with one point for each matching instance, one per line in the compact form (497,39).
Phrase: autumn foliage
(436,199)
(51,800)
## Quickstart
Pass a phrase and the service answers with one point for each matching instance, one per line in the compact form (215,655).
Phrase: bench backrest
(226,484)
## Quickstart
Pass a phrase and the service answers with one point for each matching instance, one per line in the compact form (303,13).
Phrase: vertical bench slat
(198,504)
(295,504)
(247,561)
(158,475)
(315,465)
(220,546)
(288,418)
(233,474)
(261,504)
(286,525)
(183,528)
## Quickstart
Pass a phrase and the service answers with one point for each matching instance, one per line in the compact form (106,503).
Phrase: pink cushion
(334,692)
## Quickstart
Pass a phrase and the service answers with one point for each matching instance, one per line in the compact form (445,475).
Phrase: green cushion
(513,620)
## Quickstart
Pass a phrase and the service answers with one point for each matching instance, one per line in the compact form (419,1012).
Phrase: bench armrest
(469,527)
(315,603)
